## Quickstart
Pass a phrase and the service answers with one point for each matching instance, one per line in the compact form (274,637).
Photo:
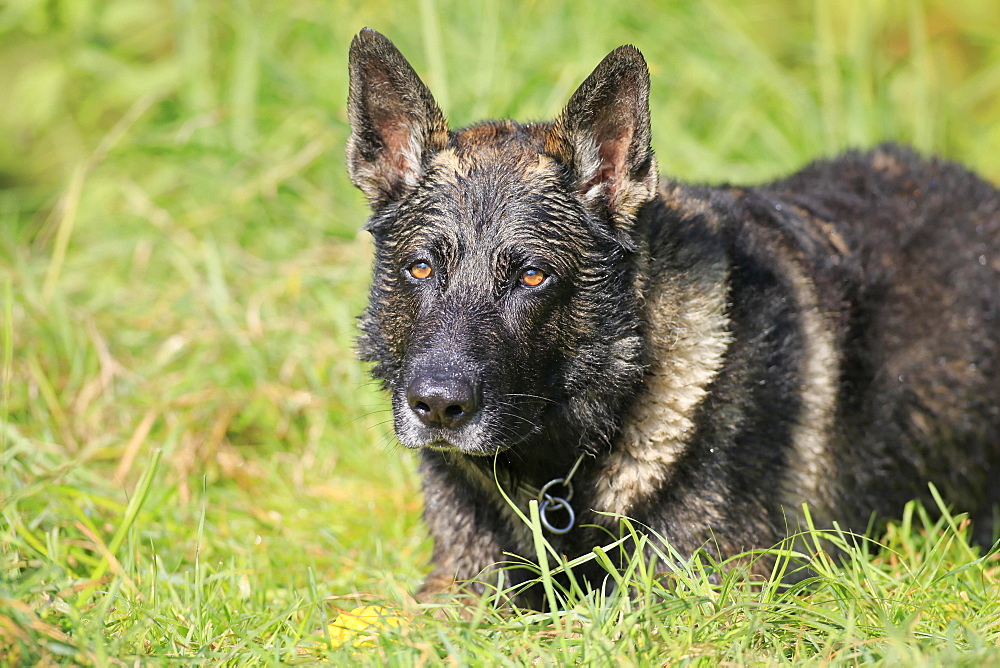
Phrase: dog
(553,321)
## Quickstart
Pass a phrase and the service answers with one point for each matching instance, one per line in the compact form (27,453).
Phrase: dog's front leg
(469,532)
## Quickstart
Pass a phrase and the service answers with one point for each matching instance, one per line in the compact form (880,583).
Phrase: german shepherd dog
(704,360)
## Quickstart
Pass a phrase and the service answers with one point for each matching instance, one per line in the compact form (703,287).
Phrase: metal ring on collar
(558,503)
(544,492)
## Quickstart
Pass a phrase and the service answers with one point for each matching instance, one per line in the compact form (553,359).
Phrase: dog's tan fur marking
(884,162)
(448,159)
(688,337)
(810,470)
(675,199)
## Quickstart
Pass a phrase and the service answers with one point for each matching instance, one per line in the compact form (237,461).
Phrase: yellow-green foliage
(194,465)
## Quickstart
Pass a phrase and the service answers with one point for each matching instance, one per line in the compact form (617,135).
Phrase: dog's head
(504,298)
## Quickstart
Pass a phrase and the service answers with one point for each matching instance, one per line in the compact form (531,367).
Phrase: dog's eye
(420,270)
(532,277)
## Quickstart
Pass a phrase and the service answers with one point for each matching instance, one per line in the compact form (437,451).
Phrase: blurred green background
(181,267)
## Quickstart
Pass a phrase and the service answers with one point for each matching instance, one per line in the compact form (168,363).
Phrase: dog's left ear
(395,123)
(603,136)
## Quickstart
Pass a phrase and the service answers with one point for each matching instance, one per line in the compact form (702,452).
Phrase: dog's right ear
(395,123)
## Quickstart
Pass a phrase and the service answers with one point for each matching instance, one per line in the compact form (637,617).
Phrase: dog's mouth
(482,436)
(444,445)
(468,441)
(441,445)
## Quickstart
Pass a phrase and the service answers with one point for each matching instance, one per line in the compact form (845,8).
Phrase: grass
(194,467)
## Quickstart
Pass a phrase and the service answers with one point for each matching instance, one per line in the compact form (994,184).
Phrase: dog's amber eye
(420,270)
(532,278)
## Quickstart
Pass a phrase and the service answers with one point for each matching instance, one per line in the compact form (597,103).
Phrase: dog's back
(919,327)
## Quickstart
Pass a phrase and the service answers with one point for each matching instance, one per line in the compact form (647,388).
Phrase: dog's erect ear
(395,123)
(603,138)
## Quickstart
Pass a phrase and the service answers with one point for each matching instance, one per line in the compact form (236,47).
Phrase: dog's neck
(684,334)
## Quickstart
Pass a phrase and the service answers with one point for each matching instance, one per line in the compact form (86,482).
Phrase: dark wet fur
(862,294)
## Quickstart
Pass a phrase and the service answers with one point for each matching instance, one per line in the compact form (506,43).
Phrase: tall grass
(195,468)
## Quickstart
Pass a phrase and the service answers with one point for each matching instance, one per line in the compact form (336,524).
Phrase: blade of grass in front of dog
(543,560)
(517,511)
(950,519)
(605,561)
(564,567)
(820,561)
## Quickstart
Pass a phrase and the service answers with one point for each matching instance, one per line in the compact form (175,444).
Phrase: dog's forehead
(493,174)
(500,135)
(499,152)
(493,193)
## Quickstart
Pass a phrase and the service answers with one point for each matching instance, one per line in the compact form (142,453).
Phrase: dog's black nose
(442,402)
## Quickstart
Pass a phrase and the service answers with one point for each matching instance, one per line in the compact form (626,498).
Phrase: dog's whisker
(532,396)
